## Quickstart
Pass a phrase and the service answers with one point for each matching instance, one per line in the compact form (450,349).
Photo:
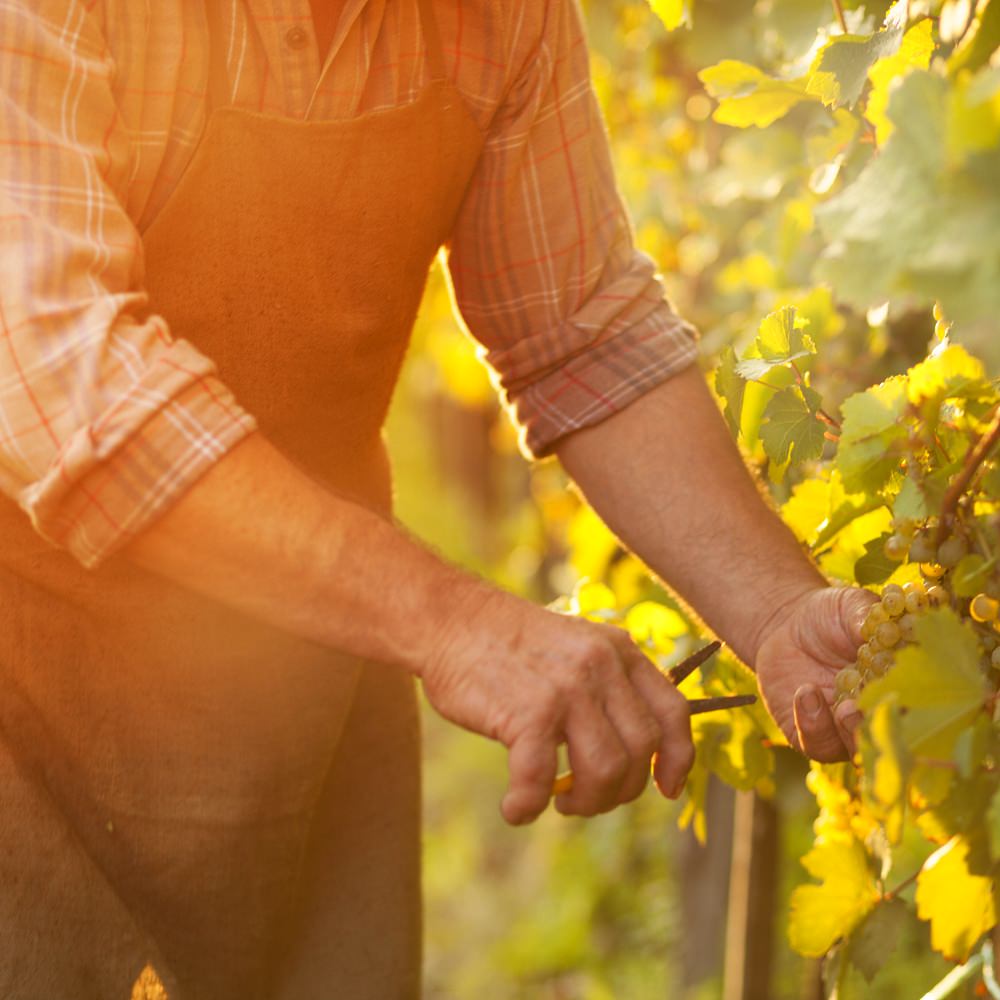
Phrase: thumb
(817,730)
(837,614)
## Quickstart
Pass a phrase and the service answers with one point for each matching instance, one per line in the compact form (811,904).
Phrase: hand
(808,642)
(534,679)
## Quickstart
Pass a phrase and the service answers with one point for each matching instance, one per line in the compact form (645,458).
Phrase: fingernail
(811,703)
(675,792)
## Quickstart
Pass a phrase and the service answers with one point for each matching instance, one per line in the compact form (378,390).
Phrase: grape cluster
(889,625)
(985,610)
(911,541)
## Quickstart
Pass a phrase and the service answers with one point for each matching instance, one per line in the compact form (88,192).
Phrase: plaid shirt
(105,418)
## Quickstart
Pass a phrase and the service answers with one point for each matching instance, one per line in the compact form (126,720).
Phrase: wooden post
(751,917)
(703,871)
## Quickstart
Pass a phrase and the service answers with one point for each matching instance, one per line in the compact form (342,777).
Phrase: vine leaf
(748,96)
(993,826)
(790,425)
(821,914)
(887,764)
(673,13)
(914,53)
(937,681)
(874,566)
(877,937)
(731,387)
(959,905)
(872,426)
(840,70)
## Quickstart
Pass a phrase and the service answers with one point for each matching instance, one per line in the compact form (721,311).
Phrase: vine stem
(893,893)
(839,10)
(973,461)
(820,413)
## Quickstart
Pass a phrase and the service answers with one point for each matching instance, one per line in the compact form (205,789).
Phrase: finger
(532,762)
(819,736)
(598,759)
(848,719)
(675,754)
(639,733)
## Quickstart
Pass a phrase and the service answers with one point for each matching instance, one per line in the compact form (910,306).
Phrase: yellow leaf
(673,13)
(960,906)
(649,621)
(821,914)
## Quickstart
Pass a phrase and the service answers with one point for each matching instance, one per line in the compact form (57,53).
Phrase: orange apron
(181,786)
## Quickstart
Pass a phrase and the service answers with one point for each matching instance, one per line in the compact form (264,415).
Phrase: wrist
(774,609)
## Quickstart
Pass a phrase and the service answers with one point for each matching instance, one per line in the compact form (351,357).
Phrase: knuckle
(610,767)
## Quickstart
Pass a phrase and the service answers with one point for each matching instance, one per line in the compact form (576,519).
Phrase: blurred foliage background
(633,905)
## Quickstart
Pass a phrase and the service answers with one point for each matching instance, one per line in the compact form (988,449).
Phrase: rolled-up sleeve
(572,318)
(105,419)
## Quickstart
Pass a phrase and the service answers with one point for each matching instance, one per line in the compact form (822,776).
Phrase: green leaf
(781,336)
(960,906)
(790,425)
(937,681)
(872,425)
(993,825)
(755,369)
(874,567)
(731,387)
(947,373)
(748,96)
(921,221)
(887,764)
(822,914)
(877,937)
(911,501)
(673,13)
(914,53)
(971,575)
(841,68)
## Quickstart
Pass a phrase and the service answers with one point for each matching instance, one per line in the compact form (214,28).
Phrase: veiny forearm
(258,534)
(666,477)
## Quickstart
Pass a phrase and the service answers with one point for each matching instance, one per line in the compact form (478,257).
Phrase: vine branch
(973,461)
(838,8)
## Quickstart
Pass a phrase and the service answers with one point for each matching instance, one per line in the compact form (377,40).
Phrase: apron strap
(432,40)
(218,77)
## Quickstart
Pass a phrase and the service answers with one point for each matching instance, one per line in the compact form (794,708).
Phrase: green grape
(937,596)
(881,663)
(904,526)
(922,549)
(887,635)
(894,602)
(983,608)
(867,630)
(932,571)
(990,641)
(865,654)
(877,615)
(916,601)
(908,627)
(848,681)
(952,551)
(895,548)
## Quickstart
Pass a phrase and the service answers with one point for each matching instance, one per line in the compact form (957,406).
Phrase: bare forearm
(667,478)
(259,535)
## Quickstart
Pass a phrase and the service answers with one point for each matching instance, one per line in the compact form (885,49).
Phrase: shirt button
(297,38)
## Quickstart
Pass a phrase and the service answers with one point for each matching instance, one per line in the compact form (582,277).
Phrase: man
(214,242)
